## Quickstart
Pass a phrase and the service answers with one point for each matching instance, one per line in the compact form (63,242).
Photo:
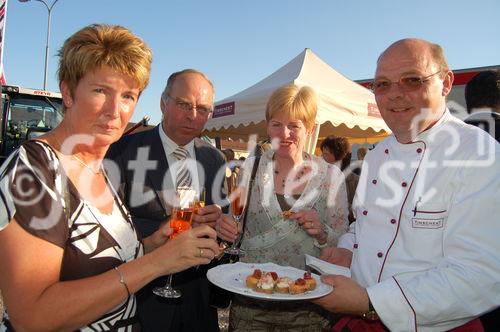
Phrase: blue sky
(237,43)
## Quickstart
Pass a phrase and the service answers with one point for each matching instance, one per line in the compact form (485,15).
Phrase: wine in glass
(237,210)
(180,221)
(200,201)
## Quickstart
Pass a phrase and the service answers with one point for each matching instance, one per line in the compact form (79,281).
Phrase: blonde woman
(288,179)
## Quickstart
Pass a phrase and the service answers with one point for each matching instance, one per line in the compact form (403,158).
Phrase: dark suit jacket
(191,312)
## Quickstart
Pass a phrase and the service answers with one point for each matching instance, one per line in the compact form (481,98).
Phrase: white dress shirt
(169,147)
(426,241)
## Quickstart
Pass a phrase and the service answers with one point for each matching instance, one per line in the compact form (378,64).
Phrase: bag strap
(249,191)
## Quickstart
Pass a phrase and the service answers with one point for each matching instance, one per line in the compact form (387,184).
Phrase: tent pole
(218,143)
(312,140)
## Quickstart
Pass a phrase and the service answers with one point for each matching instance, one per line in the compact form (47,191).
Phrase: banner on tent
(373,110)
(223,110)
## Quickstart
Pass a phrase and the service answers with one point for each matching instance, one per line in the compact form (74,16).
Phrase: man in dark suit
(144,160)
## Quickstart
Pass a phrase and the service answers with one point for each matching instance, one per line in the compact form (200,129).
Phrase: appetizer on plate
(283,285)
(267,282)
(310,281)
(298,287)
(270,282)
(253,279)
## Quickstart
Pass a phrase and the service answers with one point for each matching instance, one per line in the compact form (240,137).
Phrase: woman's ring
(201,252)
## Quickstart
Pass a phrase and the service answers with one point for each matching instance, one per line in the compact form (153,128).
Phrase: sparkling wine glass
(180,221)
(200,201)
(237,210)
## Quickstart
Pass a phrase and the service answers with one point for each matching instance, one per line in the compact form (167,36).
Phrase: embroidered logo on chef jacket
(428,215)
(427,223)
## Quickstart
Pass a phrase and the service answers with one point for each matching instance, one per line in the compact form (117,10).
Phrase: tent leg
(311,142)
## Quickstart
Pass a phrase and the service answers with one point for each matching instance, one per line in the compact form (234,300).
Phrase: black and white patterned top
(36,192)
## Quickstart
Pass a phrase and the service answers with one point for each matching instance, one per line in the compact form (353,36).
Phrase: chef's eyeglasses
(406,83)
(186,106)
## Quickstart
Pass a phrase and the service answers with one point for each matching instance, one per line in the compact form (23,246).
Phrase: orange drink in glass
(181,220)
(238,194)
(200,202)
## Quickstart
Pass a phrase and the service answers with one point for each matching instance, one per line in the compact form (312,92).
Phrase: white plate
(232,277)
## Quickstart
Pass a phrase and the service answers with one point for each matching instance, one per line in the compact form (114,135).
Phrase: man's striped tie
(183,176)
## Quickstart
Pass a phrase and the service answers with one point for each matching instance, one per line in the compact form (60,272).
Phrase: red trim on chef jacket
(401,209)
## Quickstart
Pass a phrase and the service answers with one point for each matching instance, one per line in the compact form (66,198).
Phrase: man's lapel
(159,179)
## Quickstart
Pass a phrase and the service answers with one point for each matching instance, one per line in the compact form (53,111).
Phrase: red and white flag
(3,13)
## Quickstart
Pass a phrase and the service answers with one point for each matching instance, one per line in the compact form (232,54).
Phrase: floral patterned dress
(268,237)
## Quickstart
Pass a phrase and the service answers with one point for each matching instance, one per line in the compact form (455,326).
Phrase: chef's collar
(424,136)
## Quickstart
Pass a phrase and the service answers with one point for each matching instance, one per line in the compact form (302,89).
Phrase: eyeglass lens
(185,106)
(405,83)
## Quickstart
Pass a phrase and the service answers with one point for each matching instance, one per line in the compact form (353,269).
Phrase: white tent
(345,107)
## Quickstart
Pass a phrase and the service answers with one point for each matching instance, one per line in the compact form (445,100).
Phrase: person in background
(361,153)
(334,149)
(70,256)
(337,150)
(424,251)
(186,104)
(229,154)
(300,183)
(482,96)
(230,157)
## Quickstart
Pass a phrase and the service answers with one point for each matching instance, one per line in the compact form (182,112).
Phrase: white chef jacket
(426,241)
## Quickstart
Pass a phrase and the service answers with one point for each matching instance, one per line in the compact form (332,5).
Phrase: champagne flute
(180,221)
(200,201)
(237,210)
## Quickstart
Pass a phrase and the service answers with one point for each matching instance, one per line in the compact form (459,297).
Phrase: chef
(424,251)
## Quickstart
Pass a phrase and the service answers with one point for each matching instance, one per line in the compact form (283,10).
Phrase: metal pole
(47,43)
(47,47)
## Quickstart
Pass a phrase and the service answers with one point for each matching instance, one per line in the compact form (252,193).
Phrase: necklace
(297,177)
(99,171)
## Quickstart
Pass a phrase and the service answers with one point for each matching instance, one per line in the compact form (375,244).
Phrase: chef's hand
(227,229)
(207,215)
(339,256)
(310,221)
(347,296)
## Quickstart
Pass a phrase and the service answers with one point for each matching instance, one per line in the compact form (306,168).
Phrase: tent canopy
(345,108)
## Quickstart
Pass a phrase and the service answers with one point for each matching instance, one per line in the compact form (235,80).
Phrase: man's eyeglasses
(406,83)
(186,106)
